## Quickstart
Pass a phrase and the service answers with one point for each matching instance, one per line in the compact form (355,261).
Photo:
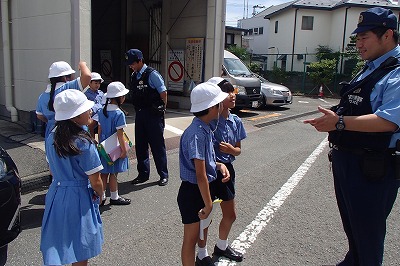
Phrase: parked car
(10,202)
(274,94)
(247,86)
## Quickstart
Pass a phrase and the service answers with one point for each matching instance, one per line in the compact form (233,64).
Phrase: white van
(247,86)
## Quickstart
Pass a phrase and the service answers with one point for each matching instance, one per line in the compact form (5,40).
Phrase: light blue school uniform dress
(97,98)
(71,228)
(110,125)
(228,130)
(43,101)
(197,143)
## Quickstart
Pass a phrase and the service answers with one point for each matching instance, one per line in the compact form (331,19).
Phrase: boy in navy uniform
(363,131)
(198,170)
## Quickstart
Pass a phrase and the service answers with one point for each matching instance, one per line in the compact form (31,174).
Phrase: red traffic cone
(321,92)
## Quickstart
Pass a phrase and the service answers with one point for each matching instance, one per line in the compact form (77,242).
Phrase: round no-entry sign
(175,71)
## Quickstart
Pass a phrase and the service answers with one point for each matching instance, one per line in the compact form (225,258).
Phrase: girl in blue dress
(59,73)
(71,227)
(111,120)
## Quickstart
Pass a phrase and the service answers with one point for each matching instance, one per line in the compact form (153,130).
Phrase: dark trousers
(364,206)
(149,130)
(3,255)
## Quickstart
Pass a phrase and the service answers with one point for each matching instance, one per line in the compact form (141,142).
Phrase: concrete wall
(42,32)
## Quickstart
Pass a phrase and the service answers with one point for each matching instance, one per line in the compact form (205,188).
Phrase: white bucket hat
(70,103)
(115,89)
(206,95)
(216,80)
(59,69)
(96,76)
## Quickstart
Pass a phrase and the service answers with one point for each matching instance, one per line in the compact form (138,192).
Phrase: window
(229,39)
(255,31)
(250,31)
(276,26)
(307,23)
(260,30)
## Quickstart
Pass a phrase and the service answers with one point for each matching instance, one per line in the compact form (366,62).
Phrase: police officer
(149,96)
(363,131)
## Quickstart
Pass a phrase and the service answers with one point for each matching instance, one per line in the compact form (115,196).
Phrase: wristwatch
(340,124)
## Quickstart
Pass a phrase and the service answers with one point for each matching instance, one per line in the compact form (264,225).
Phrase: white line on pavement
(174,129)
(249,235)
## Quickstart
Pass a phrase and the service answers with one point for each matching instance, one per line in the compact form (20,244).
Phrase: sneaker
(229,253)
(206,261)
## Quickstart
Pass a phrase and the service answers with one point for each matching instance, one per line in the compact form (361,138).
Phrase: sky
(235,9)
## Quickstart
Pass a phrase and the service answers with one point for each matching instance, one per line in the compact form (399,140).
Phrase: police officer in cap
(149,96)
(363,132)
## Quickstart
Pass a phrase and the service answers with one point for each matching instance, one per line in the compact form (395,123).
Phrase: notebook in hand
(110,148)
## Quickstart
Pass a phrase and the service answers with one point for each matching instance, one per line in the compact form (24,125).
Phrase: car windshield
(236,67)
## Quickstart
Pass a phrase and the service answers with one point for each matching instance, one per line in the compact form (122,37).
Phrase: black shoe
(139,180)
(120,201)
(163,182)
(229,253)
(206,261)
(102,202)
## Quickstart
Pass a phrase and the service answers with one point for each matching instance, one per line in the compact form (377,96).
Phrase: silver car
(274,94)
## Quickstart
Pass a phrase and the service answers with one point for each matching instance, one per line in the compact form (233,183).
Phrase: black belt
(361,151)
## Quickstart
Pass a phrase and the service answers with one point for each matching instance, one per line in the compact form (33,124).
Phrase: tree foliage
(323,72)
(324,52)
(240,52)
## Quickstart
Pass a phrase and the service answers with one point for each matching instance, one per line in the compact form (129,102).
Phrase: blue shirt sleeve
(156,81)
(89,159)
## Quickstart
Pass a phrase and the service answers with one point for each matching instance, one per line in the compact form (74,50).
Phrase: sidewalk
(28,150)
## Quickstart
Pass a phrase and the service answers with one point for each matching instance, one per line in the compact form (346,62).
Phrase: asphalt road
(287,213)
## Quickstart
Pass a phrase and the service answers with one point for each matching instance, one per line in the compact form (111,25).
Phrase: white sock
(114,195)
(104,195)
(202,252)
(222,244)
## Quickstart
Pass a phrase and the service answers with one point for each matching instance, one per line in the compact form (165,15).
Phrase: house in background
(234,36)
(257,28)
(295,29)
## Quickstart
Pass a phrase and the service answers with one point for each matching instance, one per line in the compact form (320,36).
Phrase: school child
(198,170)
(111,120)
(72,227)
(61,78)
(94,94)
(59,73)
(228,133)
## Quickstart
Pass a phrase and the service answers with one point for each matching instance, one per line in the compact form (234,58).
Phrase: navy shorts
(225,191)
(190,201)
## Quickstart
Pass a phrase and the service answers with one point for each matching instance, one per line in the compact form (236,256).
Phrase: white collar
(58,85)
(112,107)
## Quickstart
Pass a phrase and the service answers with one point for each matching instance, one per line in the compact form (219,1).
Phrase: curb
(35,182)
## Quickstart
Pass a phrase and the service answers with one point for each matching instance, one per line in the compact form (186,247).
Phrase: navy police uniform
(363,164)
(146,86)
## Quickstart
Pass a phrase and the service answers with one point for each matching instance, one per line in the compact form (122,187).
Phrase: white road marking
(323,100)
(249,235)
(303,102)
(174,129)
